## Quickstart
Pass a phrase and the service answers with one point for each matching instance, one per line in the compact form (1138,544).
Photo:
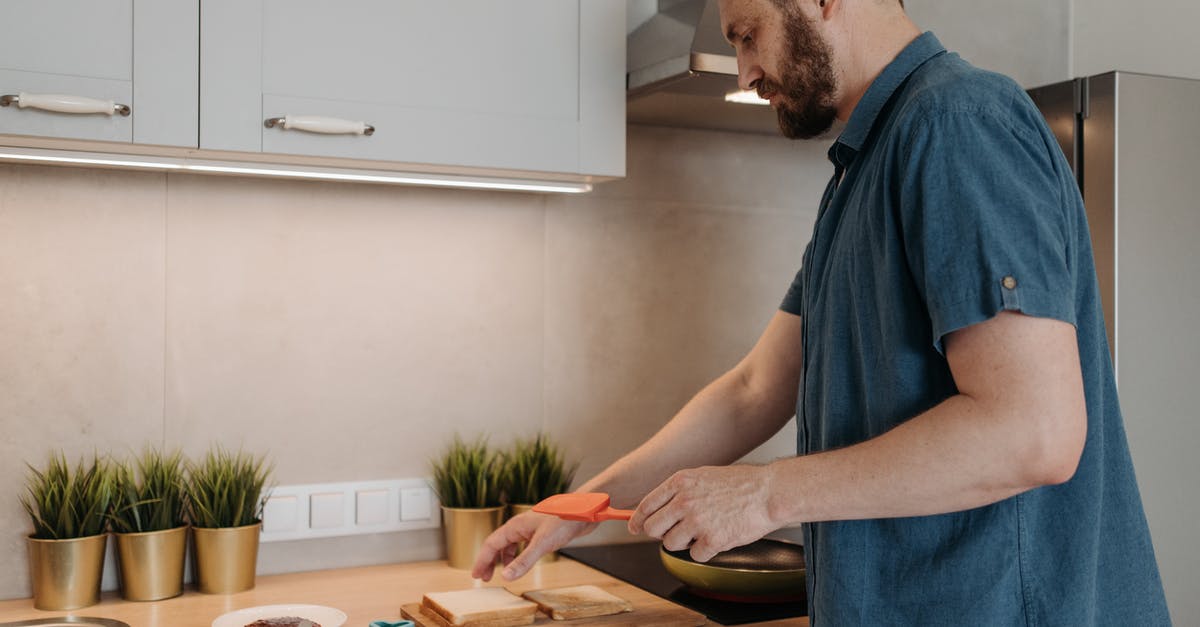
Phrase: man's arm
(724,421)
(1018,422)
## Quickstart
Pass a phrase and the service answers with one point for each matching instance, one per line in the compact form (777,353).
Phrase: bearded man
(961,454)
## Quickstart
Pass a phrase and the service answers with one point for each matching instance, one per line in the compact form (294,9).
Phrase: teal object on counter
(384,623)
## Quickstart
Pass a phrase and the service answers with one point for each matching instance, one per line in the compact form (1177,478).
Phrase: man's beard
(807,84)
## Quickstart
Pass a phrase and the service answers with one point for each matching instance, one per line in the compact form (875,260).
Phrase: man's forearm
(723,422)
(1018,422)
(937,462)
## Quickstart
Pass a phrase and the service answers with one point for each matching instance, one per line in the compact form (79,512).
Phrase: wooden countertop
(364,594)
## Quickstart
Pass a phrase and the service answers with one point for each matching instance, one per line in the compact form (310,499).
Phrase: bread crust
(447,608)
(572,602)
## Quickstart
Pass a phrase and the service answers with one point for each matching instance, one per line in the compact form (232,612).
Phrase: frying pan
(763,571)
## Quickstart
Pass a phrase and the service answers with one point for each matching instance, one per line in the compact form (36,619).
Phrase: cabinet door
(472,83)
(143,54)
(76,47)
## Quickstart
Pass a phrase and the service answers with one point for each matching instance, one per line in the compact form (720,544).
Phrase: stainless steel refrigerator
(1134,142)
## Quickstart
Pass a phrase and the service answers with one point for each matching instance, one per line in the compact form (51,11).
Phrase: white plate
(326,616)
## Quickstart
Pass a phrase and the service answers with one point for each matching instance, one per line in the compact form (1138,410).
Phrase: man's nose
(749,74)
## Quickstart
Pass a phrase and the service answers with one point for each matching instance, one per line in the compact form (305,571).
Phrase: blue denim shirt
(951,201)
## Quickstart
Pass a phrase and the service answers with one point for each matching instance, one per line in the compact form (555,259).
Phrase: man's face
(785,59)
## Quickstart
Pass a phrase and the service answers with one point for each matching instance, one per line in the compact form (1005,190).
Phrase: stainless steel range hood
(679,69)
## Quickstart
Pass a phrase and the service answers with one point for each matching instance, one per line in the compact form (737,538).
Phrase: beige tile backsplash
(349,330)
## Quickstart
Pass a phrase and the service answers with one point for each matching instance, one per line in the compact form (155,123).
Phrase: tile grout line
(166,232)
(545,301)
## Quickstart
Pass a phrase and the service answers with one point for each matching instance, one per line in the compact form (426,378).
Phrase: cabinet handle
(65,103)
(319,124)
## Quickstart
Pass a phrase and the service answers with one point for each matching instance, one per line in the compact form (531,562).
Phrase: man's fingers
(508,534)
(678,537)
(544,540)
(653,502)
(509,553)
(702,551)
(523,562)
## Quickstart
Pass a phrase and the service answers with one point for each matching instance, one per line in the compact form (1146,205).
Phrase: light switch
(371,507)
(414,504)
(279,514)
(325,511)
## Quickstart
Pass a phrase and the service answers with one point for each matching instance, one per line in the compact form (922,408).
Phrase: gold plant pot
(151,563)
(66,573)
(466,529)
(521,509)
(226,558)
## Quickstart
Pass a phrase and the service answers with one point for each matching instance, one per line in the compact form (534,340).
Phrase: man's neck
(869,51)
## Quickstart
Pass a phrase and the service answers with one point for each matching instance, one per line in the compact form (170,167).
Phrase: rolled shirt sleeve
(983,220)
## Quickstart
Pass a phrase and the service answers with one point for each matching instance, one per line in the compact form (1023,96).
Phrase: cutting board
(648,611)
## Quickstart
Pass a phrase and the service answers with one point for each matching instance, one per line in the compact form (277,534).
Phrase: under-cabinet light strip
(395,179)
(299,173)
(74,160)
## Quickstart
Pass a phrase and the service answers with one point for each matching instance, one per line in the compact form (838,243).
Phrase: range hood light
(745,97)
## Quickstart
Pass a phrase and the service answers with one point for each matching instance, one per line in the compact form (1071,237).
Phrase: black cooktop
(639,564)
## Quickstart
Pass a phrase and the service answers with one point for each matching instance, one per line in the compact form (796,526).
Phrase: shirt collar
(863,118)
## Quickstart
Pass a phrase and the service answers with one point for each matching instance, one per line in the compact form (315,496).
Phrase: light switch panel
(414,504)
(325,511)
(371,507)
(280,514)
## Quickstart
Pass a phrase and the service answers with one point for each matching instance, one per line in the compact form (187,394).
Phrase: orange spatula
(586,507)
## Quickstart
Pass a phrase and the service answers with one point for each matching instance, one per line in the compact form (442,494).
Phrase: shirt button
(1009,283)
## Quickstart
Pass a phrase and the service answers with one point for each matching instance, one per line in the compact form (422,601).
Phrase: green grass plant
(226,489)
(535,469)
(467,475)
(149,493)
(65,503)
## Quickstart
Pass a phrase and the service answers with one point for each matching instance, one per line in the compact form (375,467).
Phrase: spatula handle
(613,513)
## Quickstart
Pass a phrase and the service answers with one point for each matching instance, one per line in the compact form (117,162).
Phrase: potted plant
(69,509)
(533,470)
(225,497)
(466,481)
(148,521)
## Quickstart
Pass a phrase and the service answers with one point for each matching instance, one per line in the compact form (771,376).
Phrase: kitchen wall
(1154,38)
(1027,40)
(350,330)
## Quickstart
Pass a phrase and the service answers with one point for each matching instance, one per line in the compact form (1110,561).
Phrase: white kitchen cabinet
(530,85)
(140,53)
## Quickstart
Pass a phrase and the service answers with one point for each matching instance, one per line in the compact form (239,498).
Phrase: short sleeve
(985,224)
(793,301)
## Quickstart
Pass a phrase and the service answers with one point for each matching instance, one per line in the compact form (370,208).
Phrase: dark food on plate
(284,621)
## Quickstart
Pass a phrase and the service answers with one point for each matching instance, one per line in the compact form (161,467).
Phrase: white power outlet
(323,510)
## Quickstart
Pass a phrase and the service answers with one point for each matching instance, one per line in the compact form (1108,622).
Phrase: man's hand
(710,509)
(541,533)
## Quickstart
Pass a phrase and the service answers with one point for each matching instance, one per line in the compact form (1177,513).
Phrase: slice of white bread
(480,607)
(424,616)
(578,602)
